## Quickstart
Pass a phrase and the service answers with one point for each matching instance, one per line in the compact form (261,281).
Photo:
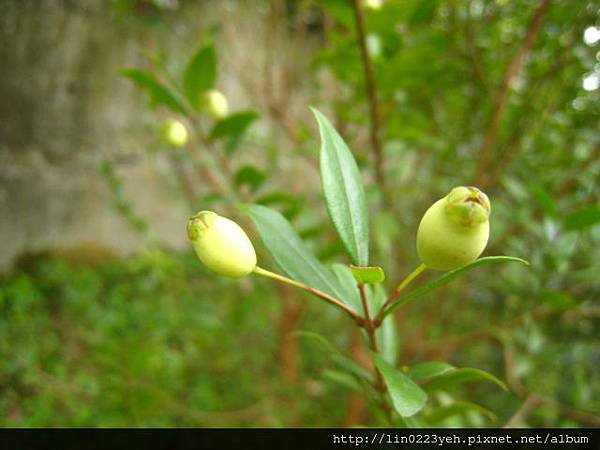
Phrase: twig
(501,97)
(312,290)
(375,128)
(374,345)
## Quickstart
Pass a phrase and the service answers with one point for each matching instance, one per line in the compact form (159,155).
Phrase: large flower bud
(455,230)
(221,244)
(215,104)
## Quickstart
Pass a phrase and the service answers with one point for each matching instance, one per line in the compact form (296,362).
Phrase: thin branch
(374,345)
(312,290)
(394,295)
(501,97)
(375,128)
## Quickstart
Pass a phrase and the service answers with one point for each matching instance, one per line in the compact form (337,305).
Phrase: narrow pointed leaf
(344,192)
(426,370)
(200,74)
(459,376)
(407,397)
(450,276)
(290,253)
(159,94)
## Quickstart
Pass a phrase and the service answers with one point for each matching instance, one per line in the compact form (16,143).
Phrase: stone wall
(63,107)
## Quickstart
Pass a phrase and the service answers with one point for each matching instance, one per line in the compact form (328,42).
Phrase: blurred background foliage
(500,94)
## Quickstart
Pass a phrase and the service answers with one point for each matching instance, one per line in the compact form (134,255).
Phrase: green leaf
(200,74)
(290,253)
(407,397)
(450,276)
(458,408)
(290,205)
(159,94)
(584,218)
(459,376)
(368,275)
(426,370)
(337,357)
(344,192)
(250,176)
(346,280)
(423,12)
(234,125)
(343,379)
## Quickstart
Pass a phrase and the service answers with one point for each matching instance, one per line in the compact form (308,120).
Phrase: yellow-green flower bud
(221,244)
(455,230)
(174,133)
(215,104)
(373,4)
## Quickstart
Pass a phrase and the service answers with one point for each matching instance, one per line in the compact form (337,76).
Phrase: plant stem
(312,290)
(373,102)
(374,345)
(394,295)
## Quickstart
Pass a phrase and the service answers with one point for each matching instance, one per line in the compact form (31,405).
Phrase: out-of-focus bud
(174,133)
(373,4)
(455,230)
(215,104)
(221,244)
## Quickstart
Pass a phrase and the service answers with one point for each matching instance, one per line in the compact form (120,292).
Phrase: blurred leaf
(291,205)
(423,12)
(584,218)
(159,94)
(459,376)
(344,192)
(441,413)
(337,357)
(426,370)
(368,275)
(343,379)
(407,397)
(234,125)
(558,300)
(449,276)
(545,201)
(290,253)
(250,176)
(200,74)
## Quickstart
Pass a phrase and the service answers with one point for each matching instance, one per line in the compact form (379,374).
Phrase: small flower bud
(215,104)
(221,244)
(374,5)
(454,230)
(174,133)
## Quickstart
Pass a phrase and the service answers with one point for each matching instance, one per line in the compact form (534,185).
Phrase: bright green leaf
(200,74)
(368,275)
(450,276)
(344,192)
(159,94)
(426,370)
(459,376)
(290,253)
(407,397)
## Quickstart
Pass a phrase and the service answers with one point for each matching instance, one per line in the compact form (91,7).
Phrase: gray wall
(63,106)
